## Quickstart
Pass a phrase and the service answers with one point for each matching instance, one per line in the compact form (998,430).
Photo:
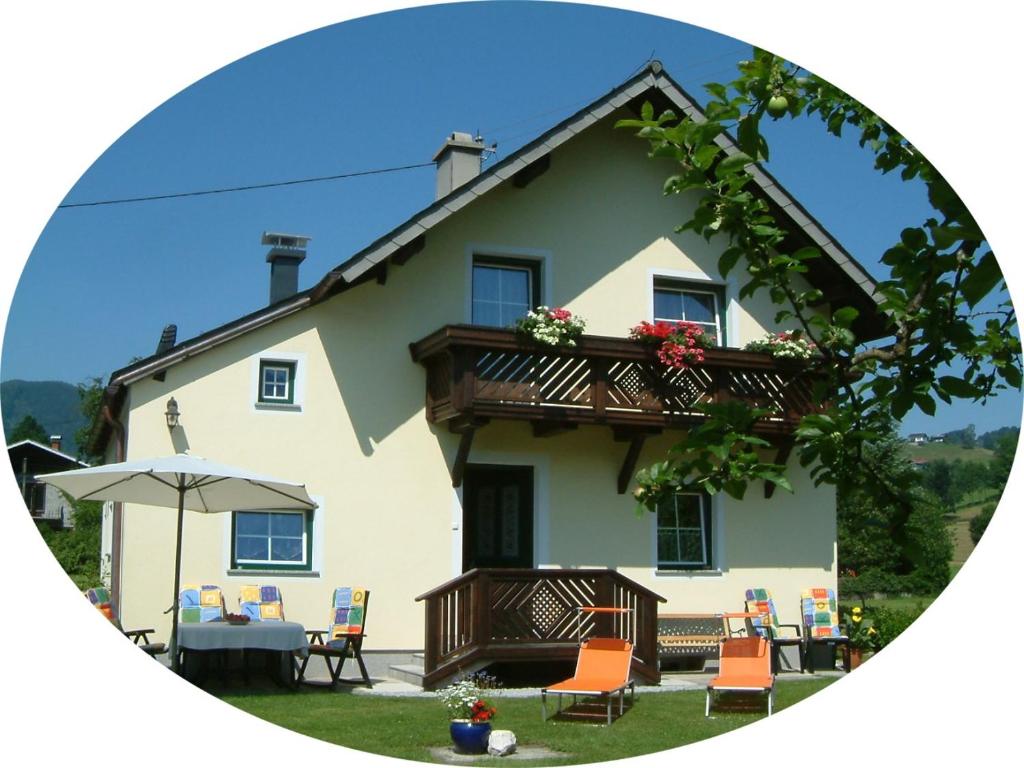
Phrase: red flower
(560,314)
(481,713)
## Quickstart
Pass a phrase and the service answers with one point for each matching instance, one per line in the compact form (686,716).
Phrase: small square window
(277,382)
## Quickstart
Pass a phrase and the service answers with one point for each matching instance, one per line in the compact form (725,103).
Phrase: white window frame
(306,563)
(289,384)
(484,251)
(698,282)
(317,550)
(716,566)
(282,359)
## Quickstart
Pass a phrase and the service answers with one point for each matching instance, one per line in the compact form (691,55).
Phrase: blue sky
(376,92)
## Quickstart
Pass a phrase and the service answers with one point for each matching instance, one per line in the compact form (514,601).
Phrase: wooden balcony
(475,374)
(501,615)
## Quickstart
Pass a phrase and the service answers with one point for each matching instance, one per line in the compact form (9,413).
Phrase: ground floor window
(684,533)
(278,540)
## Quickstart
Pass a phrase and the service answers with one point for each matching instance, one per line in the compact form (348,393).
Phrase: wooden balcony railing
(492,373)
(475,374)
(495,614)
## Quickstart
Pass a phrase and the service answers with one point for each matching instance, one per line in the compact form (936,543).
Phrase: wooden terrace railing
(495,614)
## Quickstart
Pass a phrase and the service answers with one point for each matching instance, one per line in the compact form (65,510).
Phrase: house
(46,504)
(917,438)
(469,481)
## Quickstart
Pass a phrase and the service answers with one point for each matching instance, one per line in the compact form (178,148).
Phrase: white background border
(79,74)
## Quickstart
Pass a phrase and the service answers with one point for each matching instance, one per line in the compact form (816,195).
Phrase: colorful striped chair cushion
(261,603)
(347,613)
(760,601)
(201,603)
(98,595)
(821,612)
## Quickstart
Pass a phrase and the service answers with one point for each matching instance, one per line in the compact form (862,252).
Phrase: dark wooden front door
(497,514)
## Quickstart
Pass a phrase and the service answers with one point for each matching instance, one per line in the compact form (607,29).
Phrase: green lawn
(408,727)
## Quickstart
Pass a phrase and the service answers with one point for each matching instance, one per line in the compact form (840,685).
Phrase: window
(272,540)
(684,533)
(277,382)
(695,303)
(504,290)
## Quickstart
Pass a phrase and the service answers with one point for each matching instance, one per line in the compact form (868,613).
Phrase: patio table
(283,638)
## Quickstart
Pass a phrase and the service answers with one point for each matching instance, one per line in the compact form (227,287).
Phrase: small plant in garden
(555,327)
(787,344)
(862,635)
(464,698)
(679,344)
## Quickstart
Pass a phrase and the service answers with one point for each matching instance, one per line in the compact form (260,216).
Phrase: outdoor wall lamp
(172,413)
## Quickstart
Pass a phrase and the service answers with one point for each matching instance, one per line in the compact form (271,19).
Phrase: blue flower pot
(468,737)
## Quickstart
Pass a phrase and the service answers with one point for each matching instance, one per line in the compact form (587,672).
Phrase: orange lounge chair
(602,670)
(745,666)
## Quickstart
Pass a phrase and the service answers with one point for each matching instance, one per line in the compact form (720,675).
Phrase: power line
(245,188)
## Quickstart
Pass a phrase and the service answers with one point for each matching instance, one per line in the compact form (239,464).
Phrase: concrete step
(407,673)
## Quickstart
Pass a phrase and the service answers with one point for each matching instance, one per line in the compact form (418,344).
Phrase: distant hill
(54,404)
(947,451)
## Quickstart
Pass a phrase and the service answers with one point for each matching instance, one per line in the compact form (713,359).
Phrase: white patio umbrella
(181,482)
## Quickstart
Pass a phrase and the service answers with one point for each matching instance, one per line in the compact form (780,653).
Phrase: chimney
(167,338)
(55,442)
(285,255)
(458,161)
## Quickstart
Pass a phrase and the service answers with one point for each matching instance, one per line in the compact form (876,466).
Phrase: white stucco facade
(357,436)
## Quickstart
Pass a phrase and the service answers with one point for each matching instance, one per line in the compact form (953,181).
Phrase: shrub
(890,623)
(980,522)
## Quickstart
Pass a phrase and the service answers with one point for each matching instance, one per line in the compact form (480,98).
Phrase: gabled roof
(38,451)
(652,82)
(838,274)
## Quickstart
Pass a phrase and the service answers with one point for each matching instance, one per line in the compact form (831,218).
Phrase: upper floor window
(694,302)
(504,290)
(277,382)
(684,537)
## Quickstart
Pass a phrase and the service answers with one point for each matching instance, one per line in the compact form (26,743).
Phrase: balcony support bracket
(465,428)
(636,439)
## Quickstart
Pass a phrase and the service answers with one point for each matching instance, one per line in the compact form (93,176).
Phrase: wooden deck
(494,615)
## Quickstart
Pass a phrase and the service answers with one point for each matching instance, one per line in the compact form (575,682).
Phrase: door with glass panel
(497,513)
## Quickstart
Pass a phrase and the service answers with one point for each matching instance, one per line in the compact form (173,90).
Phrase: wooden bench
(689,638)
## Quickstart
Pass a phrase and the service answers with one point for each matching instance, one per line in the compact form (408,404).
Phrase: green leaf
(983,278)
(957,387)
(728,260)
(647,111)
(845,316)
(733,164)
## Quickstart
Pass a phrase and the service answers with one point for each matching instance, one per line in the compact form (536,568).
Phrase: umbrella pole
(177,581)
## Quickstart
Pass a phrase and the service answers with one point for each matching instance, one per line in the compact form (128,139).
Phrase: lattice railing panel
(783,394)
(652,387)
(533,378)
(539,608)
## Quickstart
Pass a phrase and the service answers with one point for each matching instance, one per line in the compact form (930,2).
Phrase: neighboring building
(917,438)
(46,504)
(435,443)
(937,439)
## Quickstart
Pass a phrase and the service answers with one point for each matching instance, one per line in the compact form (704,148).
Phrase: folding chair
(200,604)
(767,625)
(745,666)
(261,603)
(820,612)
(602,671)
(100,597)
(344,636)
